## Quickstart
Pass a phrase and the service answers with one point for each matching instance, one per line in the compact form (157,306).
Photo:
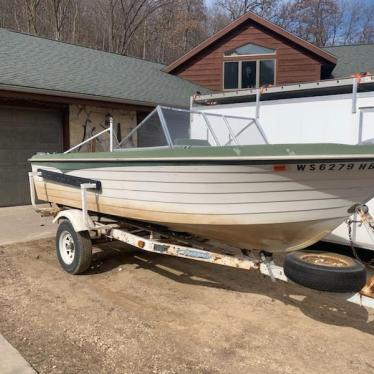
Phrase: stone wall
(85,121)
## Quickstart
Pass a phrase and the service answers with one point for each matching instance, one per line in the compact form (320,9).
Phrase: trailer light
(279,168)
(141,244)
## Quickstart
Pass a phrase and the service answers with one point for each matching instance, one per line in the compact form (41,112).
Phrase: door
(24,132)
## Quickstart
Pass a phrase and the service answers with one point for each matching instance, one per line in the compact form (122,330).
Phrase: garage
(24,132)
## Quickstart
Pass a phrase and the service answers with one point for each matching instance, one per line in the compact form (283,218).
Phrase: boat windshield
(170,127)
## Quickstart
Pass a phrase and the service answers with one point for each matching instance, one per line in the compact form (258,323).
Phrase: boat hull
(274,207)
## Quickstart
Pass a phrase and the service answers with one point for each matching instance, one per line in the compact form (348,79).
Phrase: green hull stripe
(79,165)
(268,150)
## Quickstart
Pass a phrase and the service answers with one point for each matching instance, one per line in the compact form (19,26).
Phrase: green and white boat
(202,181)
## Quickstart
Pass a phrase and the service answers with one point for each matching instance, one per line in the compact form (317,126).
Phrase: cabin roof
(323,54)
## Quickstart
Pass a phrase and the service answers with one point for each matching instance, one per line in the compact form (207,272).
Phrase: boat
(281,197)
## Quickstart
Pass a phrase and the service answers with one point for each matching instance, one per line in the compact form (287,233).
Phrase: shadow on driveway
(320,306)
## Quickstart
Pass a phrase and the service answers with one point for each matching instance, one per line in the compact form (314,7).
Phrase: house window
(248,74)
(249,49)
(267,72)
(231,75)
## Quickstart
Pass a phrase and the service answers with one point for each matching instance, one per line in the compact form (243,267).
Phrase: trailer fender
(75,217)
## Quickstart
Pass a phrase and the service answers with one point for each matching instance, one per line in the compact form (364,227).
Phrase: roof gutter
(75,95)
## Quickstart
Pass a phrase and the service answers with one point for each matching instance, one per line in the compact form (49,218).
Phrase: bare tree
(236,8)
(126,17)
(183,25)
(74,20)
(60,10)
(365,32)
(217,20)
(317,21)
(31,9)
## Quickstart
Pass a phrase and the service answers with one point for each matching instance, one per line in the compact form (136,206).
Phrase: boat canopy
(171,127)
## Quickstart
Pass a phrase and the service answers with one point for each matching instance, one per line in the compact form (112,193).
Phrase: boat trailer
(157,239)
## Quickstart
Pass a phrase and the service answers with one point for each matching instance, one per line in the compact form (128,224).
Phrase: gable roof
(352,59)
(59,69)
(261,21)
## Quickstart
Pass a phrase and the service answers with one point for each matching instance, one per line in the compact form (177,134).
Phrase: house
(252,52)
(54,95)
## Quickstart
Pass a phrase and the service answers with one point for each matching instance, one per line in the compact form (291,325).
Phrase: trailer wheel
(74,249)
(325,271)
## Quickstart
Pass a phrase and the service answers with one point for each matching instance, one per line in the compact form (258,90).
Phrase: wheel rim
(325,260)
(67,247)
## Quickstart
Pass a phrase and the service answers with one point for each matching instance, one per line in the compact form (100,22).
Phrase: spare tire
(325,271)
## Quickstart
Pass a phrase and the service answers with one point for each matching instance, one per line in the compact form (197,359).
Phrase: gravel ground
(144,313)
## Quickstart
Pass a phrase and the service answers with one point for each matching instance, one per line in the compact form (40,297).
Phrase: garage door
(24,132)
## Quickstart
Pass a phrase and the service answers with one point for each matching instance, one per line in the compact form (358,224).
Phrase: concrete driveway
(11,361)
(19,224)
(22,224)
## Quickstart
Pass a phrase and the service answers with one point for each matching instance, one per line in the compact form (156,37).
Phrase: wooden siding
(293,63)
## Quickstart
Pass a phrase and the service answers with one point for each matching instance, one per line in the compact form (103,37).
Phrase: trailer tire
(325,271)
(74,249)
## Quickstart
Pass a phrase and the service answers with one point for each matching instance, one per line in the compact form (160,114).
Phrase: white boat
(263,197)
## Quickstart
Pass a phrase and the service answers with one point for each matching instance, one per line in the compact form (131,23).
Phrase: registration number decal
(335,166)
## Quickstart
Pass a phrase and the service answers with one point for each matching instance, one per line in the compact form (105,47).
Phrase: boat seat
(192,142)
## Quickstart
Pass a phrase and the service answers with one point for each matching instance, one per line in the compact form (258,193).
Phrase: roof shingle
(40,63)
(352,59)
